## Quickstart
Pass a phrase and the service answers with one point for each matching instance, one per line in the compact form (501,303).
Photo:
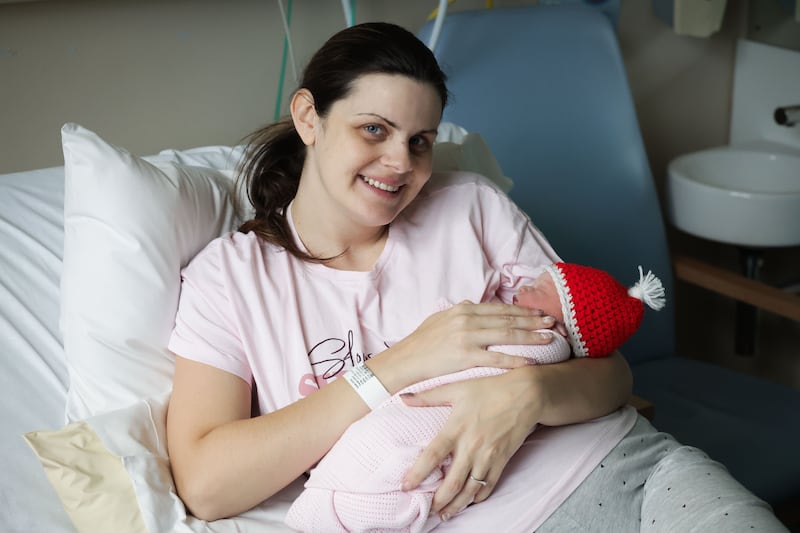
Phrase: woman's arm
(582,388)
(483,435)
(225,462)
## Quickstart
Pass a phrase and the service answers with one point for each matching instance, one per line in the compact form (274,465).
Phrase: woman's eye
(419,144)
(373,129)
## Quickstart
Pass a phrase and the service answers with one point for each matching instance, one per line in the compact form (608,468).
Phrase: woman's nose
(397,157)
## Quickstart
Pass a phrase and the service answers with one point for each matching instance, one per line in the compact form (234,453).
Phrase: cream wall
(150,74)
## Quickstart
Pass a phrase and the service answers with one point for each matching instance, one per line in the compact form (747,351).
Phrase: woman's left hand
(480,435)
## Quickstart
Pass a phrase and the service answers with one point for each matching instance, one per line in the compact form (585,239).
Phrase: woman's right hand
(456,339)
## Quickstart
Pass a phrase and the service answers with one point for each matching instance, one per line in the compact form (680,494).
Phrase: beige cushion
(92,483)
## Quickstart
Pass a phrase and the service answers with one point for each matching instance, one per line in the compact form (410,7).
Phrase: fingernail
(548,320)
(407,395)
(537,312)
(445,517)
(545,335)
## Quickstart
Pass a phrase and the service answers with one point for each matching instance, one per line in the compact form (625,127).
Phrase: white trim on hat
(568,310)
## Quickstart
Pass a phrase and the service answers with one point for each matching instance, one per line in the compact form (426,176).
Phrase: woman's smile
(379,184)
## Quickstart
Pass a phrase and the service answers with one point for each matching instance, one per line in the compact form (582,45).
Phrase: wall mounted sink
(747,196)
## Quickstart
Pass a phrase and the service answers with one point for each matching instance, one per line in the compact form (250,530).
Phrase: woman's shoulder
(463,192)
(461,180)
(227,242)
(233,246)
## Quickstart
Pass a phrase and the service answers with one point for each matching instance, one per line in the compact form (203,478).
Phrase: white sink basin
(743,196)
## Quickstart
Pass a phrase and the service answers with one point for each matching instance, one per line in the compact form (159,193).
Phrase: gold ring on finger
(483,482)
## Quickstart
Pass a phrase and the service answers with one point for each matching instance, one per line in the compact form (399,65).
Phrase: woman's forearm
(237,465)
(580,389)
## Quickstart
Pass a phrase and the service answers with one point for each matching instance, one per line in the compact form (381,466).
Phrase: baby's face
(541,294)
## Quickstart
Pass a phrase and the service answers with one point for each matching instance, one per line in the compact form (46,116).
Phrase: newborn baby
(356,486)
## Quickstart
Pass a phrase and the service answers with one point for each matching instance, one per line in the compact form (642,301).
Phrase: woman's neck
(352,247)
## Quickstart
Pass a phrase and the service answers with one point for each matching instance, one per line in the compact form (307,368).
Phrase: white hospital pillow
(220,157)
(450,132)
(129,227)
(458,149)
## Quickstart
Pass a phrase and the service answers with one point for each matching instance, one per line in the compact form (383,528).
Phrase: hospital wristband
(367,385)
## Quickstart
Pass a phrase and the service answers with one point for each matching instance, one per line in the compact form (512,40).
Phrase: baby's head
(598,313)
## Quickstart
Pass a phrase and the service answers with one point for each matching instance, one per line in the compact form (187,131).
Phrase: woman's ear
(304,115)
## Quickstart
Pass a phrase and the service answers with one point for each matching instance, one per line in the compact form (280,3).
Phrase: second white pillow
(129,228)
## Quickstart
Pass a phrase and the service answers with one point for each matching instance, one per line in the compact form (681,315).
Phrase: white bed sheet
(33,375)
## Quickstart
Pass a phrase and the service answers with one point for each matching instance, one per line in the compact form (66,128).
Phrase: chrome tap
(787,115)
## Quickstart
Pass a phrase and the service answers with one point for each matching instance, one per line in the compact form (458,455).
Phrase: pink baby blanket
(356,486)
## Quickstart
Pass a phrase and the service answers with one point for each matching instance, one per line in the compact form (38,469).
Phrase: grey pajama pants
(651,483)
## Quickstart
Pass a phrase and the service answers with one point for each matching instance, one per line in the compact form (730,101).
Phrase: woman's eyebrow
(434,131)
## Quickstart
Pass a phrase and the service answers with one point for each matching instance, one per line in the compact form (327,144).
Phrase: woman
(348,249)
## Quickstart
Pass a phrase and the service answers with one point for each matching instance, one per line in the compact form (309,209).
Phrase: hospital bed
(562,128)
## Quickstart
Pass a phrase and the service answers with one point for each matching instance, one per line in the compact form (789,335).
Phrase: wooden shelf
(737,287)
(645,408)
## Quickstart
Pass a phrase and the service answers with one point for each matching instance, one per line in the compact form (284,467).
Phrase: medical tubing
(348,6)
(437,25)
(288,41)
(287,49)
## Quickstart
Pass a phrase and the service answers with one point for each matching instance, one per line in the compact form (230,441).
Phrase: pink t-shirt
(251,309)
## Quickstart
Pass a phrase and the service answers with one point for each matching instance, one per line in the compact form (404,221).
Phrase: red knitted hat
(600,313)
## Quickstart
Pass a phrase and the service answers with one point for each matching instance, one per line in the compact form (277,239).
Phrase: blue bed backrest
(546,88)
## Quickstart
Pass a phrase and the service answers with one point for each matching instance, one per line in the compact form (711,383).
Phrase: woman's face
(369,158)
